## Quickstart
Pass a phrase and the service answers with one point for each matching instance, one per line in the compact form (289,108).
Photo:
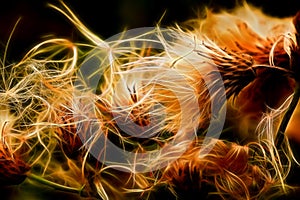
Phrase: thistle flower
(254,54)
(229,171)
(67,132)
(13,168)
(254,45)
(166,89)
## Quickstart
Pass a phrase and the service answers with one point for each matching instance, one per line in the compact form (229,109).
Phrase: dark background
(105,18)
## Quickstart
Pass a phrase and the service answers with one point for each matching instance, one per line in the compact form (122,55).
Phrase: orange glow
(150,98)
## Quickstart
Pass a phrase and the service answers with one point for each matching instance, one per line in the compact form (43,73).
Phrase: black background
(106,18)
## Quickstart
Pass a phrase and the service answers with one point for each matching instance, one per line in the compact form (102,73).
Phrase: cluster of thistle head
(155,90)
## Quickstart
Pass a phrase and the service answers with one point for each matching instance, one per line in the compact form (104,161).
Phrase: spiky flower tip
(12,168)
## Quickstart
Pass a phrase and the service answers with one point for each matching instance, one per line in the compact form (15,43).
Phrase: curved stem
(54,185)
(287,116)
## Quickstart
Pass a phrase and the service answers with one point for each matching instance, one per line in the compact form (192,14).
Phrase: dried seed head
(229,170)
(246,43)
(12,169)
(70,141)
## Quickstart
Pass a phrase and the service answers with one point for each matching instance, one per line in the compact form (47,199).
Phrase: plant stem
(287,116)
(54,185)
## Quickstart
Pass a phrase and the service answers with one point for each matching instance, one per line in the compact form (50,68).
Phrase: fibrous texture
(195,108)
